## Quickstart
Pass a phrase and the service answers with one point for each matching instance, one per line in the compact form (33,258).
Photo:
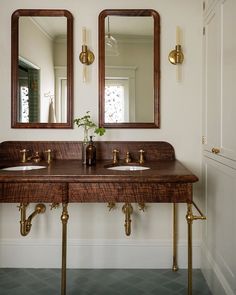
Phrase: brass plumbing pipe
(26,224)
(127,210)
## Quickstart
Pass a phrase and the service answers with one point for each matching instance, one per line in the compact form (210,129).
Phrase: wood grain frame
(156,77)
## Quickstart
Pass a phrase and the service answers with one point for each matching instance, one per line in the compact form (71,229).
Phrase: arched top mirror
(42,69)
(129,68)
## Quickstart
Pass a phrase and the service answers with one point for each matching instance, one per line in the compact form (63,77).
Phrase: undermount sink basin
(128,168)
(23,168)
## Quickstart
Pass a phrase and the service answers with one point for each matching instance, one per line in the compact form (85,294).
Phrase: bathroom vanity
(65,180)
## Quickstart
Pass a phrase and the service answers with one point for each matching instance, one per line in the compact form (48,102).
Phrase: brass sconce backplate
(176,56)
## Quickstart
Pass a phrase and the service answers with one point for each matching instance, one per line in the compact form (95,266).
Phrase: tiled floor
(100,282)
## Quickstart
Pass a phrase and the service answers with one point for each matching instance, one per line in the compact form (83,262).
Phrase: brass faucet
(127,157)
(35,158)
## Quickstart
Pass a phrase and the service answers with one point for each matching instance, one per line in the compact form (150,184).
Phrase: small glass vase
(84,146)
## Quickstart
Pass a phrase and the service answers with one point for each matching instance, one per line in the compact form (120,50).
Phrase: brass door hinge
(203,30)
(203,5)
(204,140)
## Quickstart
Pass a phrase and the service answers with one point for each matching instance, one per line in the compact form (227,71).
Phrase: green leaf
(87,123)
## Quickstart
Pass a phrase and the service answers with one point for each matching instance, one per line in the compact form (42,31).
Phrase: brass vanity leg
(64,219)
(175,237)
(189,218)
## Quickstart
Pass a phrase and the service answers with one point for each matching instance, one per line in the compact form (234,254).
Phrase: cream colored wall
(180,125)
(39,51)
(60,52)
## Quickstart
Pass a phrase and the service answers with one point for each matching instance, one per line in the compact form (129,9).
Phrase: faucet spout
(127,158)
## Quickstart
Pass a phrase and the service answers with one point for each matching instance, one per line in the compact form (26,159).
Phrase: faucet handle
(23,152)
(115,154)
(141,156)
(49,155)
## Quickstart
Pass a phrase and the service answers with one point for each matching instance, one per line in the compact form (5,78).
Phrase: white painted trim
(34,21)
(213,274)
(121,253)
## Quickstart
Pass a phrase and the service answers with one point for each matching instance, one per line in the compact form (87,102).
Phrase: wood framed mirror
(129,68)
(42,69)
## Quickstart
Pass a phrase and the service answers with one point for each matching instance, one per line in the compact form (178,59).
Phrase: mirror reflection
(42,70)
(129,68)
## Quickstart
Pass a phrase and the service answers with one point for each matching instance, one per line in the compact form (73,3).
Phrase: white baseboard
(122,253)
(215,278)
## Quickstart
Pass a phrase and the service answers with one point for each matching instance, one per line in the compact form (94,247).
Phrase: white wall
(92,224)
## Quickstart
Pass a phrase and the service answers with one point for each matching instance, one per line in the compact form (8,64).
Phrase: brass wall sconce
(176,56)
(86,56)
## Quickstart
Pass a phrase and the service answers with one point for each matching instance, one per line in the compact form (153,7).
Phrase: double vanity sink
(161,178)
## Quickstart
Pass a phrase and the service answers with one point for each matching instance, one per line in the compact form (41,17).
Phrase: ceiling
(54,26)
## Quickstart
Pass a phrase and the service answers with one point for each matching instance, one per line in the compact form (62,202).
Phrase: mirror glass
(129,68)
(42,89)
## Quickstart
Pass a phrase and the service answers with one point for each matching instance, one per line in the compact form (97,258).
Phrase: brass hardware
(127,158)
(127,210)
(175,237)
(86,56)
(23,152)
(35,158)
(141,156)
(49,155)
(26,224)
(54,206)
(176,56)
(111,205)
(142,206)
(215,151)
(202,216)
(115,155)
(190,218)
(64,220)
